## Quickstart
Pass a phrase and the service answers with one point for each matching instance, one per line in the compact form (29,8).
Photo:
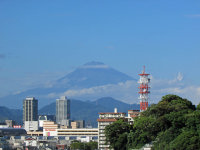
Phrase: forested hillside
(172,124)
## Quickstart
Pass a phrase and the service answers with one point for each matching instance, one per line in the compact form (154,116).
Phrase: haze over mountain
(88,82)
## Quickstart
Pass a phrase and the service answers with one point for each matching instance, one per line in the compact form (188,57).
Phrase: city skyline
(42,41)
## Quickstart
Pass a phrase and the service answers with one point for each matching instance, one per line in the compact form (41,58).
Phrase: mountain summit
(94,63)
(89,79)
(92,74)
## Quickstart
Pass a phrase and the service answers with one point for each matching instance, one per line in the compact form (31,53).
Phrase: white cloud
(180,76)
(53,95)
(124,91)
(162,83)
(192,93)
(128,91)
(175,86)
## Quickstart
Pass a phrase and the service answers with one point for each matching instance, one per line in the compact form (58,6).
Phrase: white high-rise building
(62,110)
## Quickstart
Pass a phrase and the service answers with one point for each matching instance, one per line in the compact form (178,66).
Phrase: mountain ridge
(89,110)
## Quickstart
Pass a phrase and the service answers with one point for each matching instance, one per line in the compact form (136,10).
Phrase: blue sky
(43,40)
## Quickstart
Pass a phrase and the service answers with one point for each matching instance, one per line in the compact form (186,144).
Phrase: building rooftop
(101,113)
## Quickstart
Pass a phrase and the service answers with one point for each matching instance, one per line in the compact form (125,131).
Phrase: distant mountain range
(88,82)
(10,114)
(80,110)
(88,110)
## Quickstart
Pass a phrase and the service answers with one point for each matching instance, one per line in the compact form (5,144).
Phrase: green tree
(116,134)
(198,106)
(84,146)
(92,145)
(187,140)
(77,145)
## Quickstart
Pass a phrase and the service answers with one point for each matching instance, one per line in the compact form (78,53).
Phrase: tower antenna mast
(144,90)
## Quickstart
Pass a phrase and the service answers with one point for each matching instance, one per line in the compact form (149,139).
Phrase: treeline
(172,124)
(84,145)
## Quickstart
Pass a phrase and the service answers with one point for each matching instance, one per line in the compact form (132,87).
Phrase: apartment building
(104,120)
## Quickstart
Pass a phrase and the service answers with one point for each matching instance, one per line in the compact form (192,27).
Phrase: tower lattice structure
(144,90)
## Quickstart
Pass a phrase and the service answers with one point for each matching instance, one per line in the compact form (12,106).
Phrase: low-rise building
(12,132)
(50,128)
(43,118)
(31,125)
(3,125)
(10,123)
(78,132)
(78,124)
(35,133)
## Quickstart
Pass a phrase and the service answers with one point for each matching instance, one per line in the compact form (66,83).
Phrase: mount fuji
(90,81)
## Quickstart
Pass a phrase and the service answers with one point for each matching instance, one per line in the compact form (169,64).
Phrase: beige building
(78,132)
(50,128)
(104,120)
(74,125)
(78,124)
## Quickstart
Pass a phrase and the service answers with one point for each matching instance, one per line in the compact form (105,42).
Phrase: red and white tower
(144,90)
